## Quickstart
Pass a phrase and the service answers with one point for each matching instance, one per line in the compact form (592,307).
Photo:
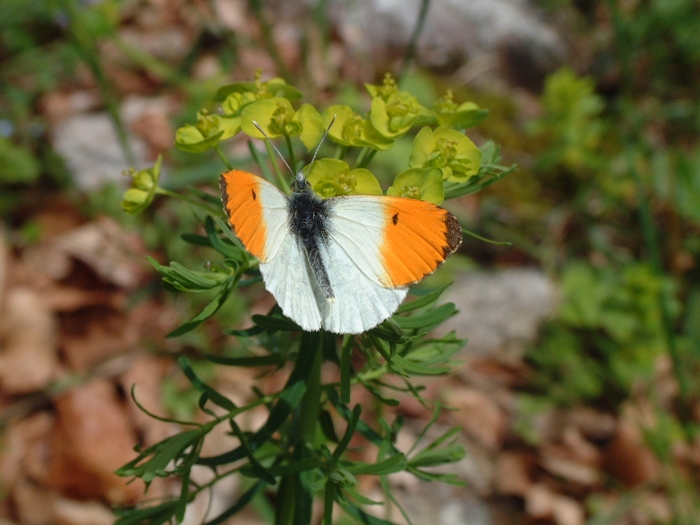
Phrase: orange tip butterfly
(342,264)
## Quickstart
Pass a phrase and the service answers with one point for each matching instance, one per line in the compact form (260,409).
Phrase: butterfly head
(300,184)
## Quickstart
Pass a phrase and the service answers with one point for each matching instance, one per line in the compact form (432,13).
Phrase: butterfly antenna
(273,146)
(325,134)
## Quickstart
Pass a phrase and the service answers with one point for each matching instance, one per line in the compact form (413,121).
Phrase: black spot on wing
(255,197)
(395,219)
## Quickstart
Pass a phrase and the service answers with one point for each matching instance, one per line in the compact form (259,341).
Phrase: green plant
(300,451)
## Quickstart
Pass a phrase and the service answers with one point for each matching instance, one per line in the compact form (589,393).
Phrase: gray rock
(513,31)
(501,311)
(89,145)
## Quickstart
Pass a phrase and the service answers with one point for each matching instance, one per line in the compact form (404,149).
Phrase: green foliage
(608,333)
(17,165)
(300,451)
(571,124)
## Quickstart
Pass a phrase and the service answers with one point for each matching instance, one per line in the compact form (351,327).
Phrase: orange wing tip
(244,209)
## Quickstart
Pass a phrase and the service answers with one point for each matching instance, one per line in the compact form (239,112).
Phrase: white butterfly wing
(374,248)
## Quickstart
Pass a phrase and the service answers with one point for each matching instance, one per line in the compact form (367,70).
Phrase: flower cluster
(442,153)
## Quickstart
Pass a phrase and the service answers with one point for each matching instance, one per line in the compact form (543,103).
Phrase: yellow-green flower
(387,88)
(207,133)
(143,188)
(351,129)
(240,93)
(462,116)
(419,183)
(333,178)
(452,152)
(397,114)
(277,118)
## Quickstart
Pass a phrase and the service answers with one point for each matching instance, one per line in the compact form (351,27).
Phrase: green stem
(412,45)
(367,158)
(311,402)
(490,241)
(292,160)
(294,499)
(651,241)
(195,202)
(340,152)
(257,7)
(328,503)
(223,157)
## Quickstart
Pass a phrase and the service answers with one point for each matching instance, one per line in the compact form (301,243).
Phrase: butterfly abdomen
(308,220)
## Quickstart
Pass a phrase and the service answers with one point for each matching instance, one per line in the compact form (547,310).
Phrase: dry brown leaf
(580,449)
(22,449)
(28,361)
(513,473)
(112,253)
(91,335)
(71,512)
(33,504)
(69,299)
(542,503)
(478,415)
(155,129)
(628,458)
(92,438)
(594,425)
(567,468)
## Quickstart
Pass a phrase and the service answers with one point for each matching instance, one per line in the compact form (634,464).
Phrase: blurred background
(577,391)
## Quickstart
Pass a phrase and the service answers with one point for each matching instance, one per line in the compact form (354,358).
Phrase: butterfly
(342,264)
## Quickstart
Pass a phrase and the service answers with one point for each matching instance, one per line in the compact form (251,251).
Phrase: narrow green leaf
(252,361)
(360,515)
(298,466)
(248,332)
(276,323)
(226,229)
(423,301)
(288,401)
(426,320)
(376,393)
(418,369)
(478,183)
(450,479)
(395,463)
(160,454)
(327,427)
(255,467)
(346,368)
(349,431)
(227,250)
(209,310)
(362,427)
(197,240)
(157,515)
(201,386)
